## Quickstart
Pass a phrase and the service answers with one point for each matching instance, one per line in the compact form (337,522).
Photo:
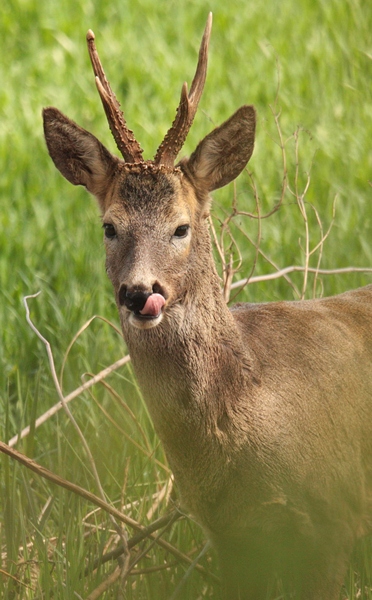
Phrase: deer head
(152,210)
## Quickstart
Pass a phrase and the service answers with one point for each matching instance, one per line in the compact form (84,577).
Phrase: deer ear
(77,154)
(222,155)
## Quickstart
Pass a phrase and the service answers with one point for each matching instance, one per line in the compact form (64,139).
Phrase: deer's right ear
(77,154)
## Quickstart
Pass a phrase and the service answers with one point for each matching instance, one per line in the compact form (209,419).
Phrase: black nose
(134,300)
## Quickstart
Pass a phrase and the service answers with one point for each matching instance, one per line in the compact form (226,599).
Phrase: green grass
(50,240)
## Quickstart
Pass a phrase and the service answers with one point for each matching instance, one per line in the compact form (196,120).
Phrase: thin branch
(61,397)
(149,453)
(89,455)
(154,569)
(15,579)
(165,523)
(293,269)
(105,585)
(126,408)
(259,235)
(68,485)
(136,539)
(158,536)
(323,238)
(51,411)
(275,111)
(78,334)
(258,251)
(72,487)
(217,244)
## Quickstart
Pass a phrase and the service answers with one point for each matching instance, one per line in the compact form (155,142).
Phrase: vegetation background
(310,61)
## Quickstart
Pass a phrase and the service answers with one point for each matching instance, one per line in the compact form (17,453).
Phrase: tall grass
(315,59)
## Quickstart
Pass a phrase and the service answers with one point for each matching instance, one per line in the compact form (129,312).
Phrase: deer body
(265,433)
(264,411)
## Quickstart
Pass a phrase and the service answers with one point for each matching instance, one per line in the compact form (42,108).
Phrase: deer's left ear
(221,156)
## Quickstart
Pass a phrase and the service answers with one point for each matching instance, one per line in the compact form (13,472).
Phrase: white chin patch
(144,322)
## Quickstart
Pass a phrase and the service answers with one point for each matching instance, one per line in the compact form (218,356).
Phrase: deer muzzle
(143,305)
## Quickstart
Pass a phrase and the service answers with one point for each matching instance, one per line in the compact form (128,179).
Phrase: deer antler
(124,138)
(176,136)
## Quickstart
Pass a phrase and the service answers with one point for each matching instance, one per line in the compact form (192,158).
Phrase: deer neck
(192,368)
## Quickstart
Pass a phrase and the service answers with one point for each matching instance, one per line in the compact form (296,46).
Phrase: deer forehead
(161,197)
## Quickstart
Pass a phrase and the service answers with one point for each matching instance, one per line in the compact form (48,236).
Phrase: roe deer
(264,411)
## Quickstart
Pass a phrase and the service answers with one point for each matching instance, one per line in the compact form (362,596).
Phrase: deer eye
(181,231)
(110,231)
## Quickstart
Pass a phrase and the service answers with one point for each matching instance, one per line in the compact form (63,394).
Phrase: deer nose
(133,299)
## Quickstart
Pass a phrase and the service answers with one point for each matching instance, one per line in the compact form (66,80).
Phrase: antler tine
(124,138)
(176,136)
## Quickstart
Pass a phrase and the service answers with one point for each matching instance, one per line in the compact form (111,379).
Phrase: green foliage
(318,54)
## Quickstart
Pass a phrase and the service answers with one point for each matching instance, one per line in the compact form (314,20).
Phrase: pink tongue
(153,306)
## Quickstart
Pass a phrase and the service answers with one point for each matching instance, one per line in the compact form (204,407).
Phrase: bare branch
(77,335)
(68,485)
(292,269)
(54,409)
(89,455)
(72,487)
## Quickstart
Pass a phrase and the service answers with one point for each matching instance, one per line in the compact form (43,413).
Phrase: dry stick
(302,207)
(300,199)
(155,569)
(144,551)
(294,268)
(72,487)
(15,579)
(164,493)
(105,585)
(283,272)
(88,384)
(125,406)
(229,268)
(164,521)
(89,455)
(258,239)
(150,453)
(216,242)
(282,143)
(115,575)
(61,397)
(77,335)
(68,485)
(276,114)
(258,250)
(320,245)
(323,237)
(129,506)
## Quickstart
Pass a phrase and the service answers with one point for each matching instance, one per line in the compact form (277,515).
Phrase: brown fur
(265,411)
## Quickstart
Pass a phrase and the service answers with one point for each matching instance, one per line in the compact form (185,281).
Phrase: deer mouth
(150,314)
(152,308)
